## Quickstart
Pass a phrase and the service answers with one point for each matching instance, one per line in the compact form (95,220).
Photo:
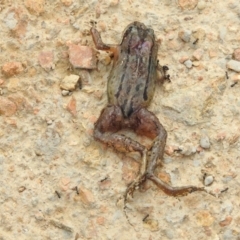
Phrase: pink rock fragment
(82,56)
(45,60)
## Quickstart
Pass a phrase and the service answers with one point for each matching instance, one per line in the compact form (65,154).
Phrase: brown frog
(131,85)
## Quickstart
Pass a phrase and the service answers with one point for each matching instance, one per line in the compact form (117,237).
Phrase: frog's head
(137,37)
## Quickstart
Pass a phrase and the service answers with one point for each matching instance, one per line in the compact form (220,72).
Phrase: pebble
(7,107)
(67,3)
(45,60)
(65,92)
(188,150)
(10,20)
(236,54)
(183,59)
(71,106)
(70,83)
(204,218)
(187,4)
(185,35)
(151,224)
(12,68)
(188,63)
(205,142)
(21,189)
(82,56)
(201,5)
(234,65)
(35,7)
(199,34)
(13,84)
(208,180)
(227,221)
(86,196)
(197,54)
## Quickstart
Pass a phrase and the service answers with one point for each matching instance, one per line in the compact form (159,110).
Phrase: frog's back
(132,80)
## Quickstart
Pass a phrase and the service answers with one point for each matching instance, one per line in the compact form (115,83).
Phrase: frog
(131,83)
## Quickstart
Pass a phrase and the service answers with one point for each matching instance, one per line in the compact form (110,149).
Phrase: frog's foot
(163,70)
(130,190)
(140,178)
(174,191)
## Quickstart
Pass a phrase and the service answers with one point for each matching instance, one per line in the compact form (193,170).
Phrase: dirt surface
(57,182)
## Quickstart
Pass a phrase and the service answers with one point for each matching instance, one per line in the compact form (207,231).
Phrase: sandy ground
(58,183)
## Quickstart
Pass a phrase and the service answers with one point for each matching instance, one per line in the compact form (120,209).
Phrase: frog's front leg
(110,121)
(100,45)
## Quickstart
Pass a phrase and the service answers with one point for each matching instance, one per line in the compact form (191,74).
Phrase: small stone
(67,3)
(196,64)
(100,220)
(70,83)
(188,63)
(12,68)
(227,221)
(204,218)
(183,59)
(197,54)
(7,107)
(11,168)
(201,5)
(185,35)
(199,34)
(35,7)
(174,45)
(86,196)
(1,81)
(114,3)
(187,4)
(15,20)
(236,77)
(65,93)
(13,85)
(188,150)
(65,181)
(102,26)
(205,142)
(165,177)
(45,60)
(151,225)
(236,54)
(208,180)
(39,216)
(21,189)
(11,20)
(212,53)
(71,107)
(82,56)
(234,65)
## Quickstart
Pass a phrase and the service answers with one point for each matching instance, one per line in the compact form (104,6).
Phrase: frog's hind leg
(110,121)
(146,123)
